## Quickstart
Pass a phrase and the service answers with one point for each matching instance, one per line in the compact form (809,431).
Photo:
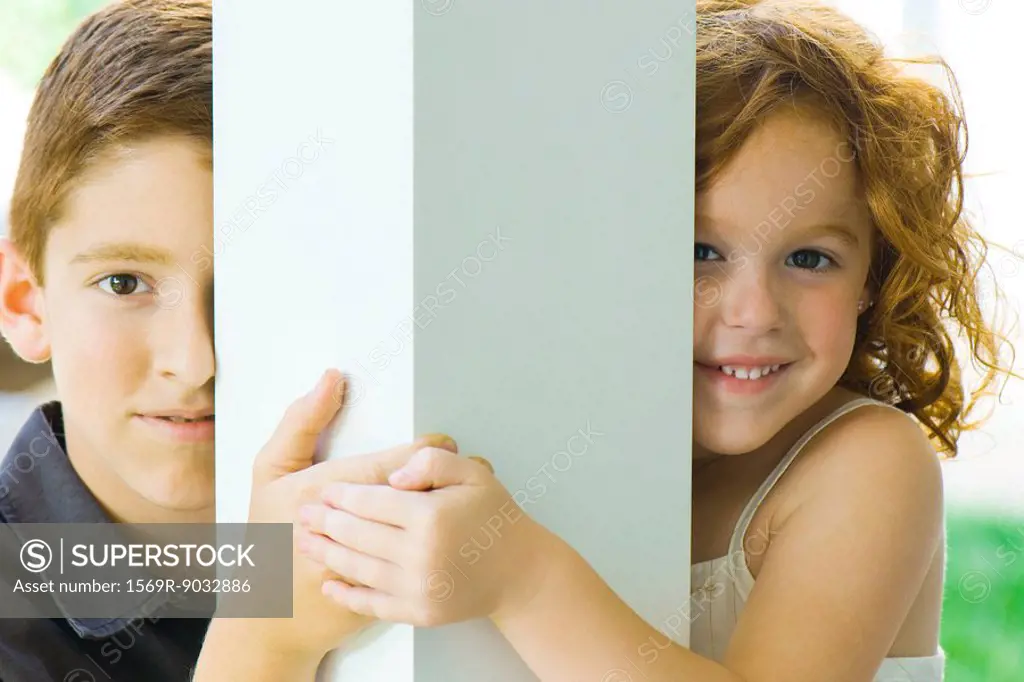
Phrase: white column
(484,212)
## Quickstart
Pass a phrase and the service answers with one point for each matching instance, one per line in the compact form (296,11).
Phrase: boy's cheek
(96,353)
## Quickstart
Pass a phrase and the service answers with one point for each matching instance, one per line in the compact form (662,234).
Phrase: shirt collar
(38,484)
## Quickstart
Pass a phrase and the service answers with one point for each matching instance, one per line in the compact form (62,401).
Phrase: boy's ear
(22,312)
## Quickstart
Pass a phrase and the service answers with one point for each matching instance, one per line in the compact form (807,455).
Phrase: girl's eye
(809,259)
(123,284)
(703,252)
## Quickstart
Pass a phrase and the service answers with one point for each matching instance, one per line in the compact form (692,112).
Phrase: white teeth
(183,420)
(749,373)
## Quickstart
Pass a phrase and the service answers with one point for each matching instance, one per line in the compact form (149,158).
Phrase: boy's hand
(444,543)
(284,477)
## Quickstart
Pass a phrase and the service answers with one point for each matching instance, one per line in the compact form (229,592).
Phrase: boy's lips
(202,413)
(188,426)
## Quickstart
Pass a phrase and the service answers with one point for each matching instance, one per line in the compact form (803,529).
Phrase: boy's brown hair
(133,70)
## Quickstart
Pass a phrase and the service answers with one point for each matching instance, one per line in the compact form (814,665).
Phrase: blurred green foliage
(983,611)
(32,31)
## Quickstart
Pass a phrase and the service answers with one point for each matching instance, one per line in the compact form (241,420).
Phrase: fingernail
(340,389)
(484,461)
(332,377)
(443,441)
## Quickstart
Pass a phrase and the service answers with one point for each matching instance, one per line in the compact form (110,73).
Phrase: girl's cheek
(829,320)
(701,317)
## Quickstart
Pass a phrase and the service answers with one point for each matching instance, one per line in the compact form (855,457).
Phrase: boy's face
(782,253)
(126,314)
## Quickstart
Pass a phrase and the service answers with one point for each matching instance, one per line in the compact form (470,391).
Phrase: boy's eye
(809,259)
(703,252)
(122,284)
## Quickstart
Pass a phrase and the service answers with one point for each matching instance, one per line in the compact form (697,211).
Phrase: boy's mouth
(181,425)
(186,420)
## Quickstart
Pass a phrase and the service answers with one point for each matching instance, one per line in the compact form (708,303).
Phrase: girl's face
(781,257)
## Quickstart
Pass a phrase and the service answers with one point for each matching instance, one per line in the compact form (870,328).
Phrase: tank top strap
(740,531)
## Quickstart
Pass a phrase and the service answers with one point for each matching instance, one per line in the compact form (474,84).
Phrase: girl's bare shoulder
(869,453)
(854,546)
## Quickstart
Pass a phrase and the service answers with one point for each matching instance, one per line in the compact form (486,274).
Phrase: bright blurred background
(983,622)
(983,613)
(31,32)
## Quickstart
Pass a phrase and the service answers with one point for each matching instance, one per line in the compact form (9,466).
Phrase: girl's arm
(837,581)
(230,652)
(576,628)
(846,561)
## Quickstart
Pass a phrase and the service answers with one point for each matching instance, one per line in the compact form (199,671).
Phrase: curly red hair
(909,140)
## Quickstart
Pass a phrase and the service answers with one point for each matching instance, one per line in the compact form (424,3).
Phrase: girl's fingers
(351,565)
(368,602)
(374,539)
(433,468)
(375,467)
(379,503)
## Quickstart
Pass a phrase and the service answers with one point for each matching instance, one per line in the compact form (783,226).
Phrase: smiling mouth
(748,372)
(751,373)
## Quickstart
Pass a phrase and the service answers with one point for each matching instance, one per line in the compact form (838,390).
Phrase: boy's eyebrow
(124,251)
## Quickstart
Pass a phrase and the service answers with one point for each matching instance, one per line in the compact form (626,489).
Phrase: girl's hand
(444,543)
(285,478)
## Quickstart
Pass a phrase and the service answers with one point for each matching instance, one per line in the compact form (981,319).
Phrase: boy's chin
(185,497)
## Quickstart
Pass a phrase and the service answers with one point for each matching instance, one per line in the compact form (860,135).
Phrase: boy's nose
(750,301)
(185,350)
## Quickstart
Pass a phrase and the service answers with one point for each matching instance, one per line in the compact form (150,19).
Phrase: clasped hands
(415,534)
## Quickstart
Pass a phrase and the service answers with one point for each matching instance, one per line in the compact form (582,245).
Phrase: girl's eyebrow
(840,231)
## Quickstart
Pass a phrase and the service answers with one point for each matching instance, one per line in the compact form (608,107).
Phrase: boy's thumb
(293,445)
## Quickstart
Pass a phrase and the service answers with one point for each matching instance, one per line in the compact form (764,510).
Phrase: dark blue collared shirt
(39,485)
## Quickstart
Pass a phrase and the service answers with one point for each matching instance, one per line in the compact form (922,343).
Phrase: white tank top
(720,587)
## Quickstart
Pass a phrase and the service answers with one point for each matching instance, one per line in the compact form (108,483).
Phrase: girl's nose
(750,300)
